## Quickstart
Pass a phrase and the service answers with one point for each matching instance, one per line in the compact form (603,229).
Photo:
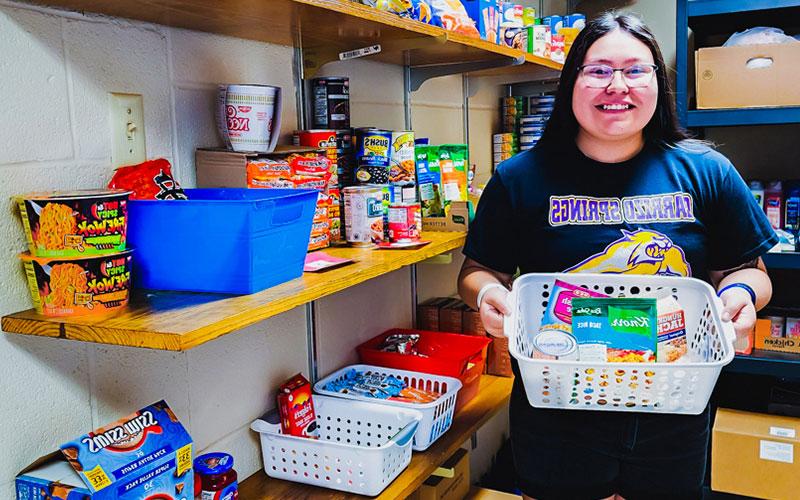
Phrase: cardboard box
(223,168)
(753,454)
(147,454)
(486,14)
(449,482)
(764,339)
(498,358)
(723,79)
(471,322)
(428,313)
(456,221)
(451,316)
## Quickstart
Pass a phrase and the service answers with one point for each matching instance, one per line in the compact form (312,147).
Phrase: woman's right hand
(493,308)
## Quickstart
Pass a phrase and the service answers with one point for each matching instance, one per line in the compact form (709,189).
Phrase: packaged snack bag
(615,330)
(671,330)
(453,167)
(429,180)
(151,180)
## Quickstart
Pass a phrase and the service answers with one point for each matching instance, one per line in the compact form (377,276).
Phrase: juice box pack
(144,456)
(615,329)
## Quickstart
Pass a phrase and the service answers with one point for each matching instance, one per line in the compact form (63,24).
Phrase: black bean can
(331,102)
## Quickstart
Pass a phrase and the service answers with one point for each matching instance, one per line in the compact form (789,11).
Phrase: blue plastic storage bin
(221,240)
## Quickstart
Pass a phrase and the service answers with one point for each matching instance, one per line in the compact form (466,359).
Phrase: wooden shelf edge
(239,312)
(494,395)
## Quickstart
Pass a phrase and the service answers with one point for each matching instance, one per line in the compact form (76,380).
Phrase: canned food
(792,327)
(544,109)
(320,139)
(372,155)
(503,148)
(405,221)
(531,129)
(498,157)
(777,325)
(331,102)
(501,138)
(555,344)
(363,214)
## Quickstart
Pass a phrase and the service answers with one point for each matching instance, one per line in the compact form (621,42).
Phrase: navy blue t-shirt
(679,211)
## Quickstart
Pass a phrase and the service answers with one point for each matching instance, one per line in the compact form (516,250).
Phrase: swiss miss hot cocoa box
(144,456)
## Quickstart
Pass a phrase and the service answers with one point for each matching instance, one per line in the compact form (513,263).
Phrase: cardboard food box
(146,455)
(451,316)
(451,481)
(486,494)
(456,221)
(765,340)
(724,80)
(753,454)
(217,168)
(428,313)
(486,14)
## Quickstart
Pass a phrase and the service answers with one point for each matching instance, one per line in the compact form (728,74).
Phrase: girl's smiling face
(616,112)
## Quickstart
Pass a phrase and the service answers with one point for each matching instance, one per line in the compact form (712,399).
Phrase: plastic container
(215,478)
(773,204)
(437,416)
(680,387)
(449,354)
(362,446)
(221,240)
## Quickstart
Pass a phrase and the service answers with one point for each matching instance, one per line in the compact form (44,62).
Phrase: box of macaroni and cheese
(146,455)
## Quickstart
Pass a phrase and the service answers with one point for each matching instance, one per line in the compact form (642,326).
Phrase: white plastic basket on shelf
(681,387)
(437,416)
(362,446)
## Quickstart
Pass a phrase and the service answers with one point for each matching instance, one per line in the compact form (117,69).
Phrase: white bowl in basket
(681,387)
(362,446)
(437,416)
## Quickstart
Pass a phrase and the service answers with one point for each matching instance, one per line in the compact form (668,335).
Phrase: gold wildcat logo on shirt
(638,252)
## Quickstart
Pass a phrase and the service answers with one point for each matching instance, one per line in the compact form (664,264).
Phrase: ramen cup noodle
(615,330)
(671,330)
(146,455)
(249,117)
(558,315)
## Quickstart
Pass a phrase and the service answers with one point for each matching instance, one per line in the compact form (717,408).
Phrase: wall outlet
(127,130)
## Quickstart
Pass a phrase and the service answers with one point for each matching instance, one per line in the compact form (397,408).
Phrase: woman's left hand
(739,308)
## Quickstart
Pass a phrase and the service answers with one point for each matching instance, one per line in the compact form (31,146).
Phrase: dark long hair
(562,127)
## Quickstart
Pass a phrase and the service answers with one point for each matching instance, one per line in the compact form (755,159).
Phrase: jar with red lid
(214,477)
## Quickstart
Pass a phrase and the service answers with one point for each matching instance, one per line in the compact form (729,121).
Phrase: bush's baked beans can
(363,215)
(405,221)
(331,102)
(372,148)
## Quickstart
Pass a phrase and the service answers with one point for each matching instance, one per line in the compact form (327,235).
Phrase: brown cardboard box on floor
(498,359)
(428,313)
(486,494)
(753,454)
(471,322)
(451,316)
(723,79)
(454,487)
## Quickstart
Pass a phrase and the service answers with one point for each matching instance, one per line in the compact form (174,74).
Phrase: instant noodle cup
(77,286)
(75,223)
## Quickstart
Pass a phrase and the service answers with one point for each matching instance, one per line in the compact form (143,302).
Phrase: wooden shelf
(178,321)
(322,28)
(494,394)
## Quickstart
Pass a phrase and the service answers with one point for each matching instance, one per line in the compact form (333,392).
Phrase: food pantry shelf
(493,395)
(178,321)
(323,28)
(743,116)
(782,260)
(775,364)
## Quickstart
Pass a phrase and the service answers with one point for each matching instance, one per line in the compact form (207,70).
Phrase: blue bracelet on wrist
(743,286)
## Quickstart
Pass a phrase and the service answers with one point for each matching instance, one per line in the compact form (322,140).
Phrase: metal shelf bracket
(316,58)
(421,74)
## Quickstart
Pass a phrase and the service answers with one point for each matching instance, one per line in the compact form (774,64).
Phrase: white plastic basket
(437,416)
(682,387)
(362,446)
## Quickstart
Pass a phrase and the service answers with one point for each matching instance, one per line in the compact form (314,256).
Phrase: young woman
(615,187)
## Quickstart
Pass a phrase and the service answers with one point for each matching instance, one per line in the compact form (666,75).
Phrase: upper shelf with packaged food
(326,30)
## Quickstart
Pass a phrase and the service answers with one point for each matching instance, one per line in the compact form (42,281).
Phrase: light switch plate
(127,129)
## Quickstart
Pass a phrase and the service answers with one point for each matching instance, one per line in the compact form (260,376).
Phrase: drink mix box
(615,330)
(144,456)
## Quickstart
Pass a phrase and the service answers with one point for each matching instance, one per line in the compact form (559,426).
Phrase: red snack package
(296,408)
(151,180)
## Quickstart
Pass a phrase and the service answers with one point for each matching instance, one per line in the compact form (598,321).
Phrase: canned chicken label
(405,221)
(363,214)
(555,344)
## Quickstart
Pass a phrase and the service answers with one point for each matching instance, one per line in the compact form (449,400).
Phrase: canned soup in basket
(610,342)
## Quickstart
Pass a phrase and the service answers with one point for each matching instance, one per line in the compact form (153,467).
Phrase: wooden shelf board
(494,394)
(178,321)
(323,26)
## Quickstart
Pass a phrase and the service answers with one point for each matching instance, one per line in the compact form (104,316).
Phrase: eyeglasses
(600,76)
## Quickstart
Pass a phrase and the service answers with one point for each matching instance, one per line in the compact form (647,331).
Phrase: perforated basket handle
(403,437)
(264,427)
(508,320)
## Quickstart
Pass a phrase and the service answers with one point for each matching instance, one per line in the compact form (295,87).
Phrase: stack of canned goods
(386,158)
(532,125)
(370,218)
(512,108)
(504,146)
